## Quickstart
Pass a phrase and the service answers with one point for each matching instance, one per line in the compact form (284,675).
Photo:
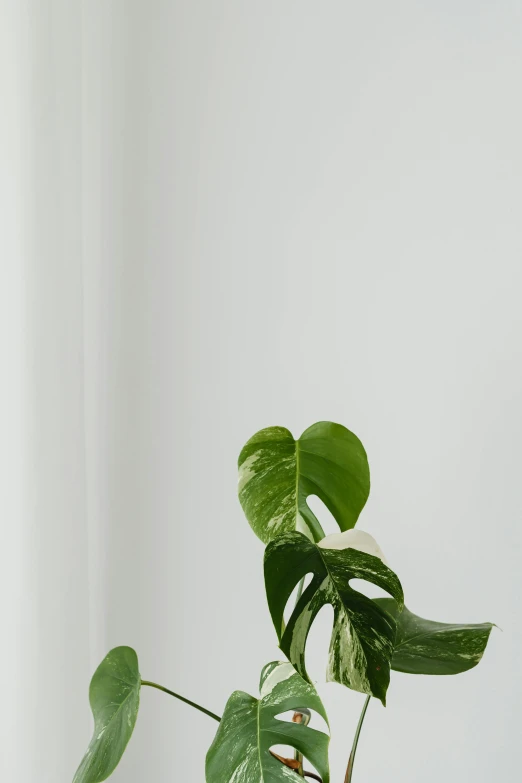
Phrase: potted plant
(369,639)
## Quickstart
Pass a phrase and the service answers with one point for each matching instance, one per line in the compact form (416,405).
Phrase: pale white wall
(321,220)
(290,211)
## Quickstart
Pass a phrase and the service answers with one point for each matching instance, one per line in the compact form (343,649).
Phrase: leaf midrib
(326,459)
(90,759)
(135,690)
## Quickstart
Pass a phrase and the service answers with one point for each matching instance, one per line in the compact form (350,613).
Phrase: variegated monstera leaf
(427,647)
(278,473)
(250,727)
(363,634)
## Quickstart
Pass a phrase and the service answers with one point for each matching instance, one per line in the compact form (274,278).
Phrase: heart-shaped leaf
(250,727)
(277,474)
(114,695)
(427,647)
(361,646)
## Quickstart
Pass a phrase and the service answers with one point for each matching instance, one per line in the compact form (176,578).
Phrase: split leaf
(250,727)
(363,633)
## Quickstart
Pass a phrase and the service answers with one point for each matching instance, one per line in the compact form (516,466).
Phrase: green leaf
(114,695)
(363,633)
(277,474)
(427,647)
(249,727)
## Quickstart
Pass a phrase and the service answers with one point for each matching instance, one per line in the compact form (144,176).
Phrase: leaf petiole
(181,698)
(297,755)
(351,760)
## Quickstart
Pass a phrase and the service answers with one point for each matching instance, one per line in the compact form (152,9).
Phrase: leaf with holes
(250,727)
(363,633)
(114,695)
(277,474)
(427,647)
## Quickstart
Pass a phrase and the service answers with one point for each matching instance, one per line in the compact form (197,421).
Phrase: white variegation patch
(354,539)
(282,671)
(347,662)
(245,472)
(277,523)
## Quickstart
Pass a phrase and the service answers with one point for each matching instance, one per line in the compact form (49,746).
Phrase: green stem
(181,698)
(351,760)
(297,755)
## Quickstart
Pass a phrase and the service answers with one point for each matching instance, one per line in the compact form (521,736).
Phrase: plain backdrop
(219,216)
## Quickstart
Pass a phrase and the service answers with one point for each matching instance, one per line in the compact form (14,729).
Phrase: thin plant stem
(351,760)
(181,698)
(297,755)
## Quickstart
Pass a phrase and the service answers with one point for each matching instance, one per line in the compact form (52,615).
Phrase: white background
(219,216)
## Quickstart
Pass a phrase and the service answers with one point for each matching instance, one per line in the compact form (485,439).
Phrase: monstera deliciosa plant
(277,475)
